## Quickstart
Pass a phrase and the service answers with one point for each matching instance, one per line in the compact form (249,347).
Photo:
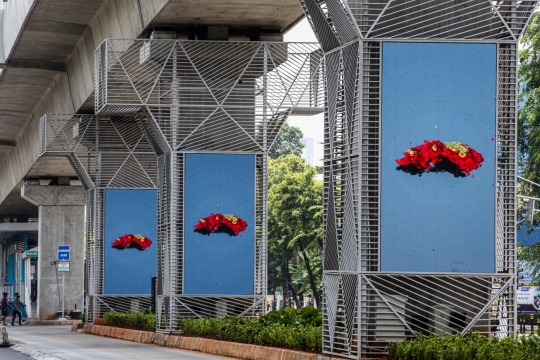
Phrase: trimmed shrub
(289,328)
(142,320)
(255,331)
(472,346)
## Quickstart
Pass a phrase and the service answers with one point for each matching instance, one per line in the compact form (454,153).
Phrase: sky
(311,126)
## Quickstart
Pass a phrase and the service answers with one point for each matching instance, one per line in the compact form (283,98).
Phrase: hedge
(142,320)
(255,331)
(289,328)
(472,346)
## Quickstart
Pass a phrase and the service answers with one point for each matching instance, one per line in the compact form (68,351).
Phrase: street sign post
(31,253)
(63,267)
(63,252)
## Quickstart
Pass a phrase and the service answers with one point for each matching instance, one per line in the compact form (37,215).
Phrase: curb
(209,346)
(35,322)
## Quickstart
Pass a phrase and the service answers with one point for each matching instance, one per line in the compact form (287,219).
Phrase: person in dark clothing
(17,309)
(4,308)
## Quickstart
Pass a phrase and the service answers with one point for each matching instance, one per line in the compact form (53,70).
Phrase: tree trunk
(312,279)
(294,294)
(285,282)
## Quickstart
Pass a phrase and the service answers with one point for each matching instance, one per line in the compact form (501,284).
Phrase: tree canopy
(529,112)
(529,132)
(295,227)
(287,142)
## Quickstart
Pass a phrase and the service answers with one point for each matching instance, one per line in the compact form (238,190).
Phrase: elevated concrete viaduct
(47,66)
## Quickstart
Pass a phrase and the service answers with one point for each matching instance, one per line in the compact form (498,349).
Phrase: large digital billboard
(219,224)
(438,157)
(130,241)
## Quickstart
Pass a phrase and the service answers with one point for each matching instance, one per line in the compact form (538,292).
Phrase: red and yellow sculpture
(217,223)
(433,153)
(130,241)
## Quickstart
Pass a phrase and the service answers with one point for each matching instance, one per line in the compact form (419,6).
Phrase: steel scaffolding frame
(107,152)
(206,97)
(365,308)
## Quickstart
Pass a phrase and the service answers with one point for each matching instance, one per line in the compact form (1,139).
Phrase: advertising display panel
(438,157)
(219,224)
(528,299)
(130,241)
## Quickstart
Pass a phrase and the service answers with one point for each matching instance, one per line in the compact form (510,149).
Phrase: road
(59,343)
(10,354)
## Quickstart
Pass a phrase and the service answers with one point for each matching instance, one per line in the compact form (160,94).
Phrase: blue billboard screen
(130,241)
(219,224)
(438,157)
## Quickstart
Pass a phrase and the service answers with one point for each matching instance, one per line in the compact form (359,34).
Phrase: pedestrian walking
(3,308)
(17,309)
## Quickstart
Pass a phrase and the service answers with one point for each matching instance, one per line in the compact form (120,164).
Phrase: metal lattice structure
(106,152)
(206,97)
(365,308)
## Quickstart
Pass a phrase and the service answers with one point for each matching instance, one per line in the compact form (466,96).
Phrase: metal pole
(265,97)
(63,291)
(527,180)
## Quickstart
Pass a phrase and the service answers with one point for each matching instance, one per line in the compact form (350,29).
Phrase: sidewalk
(59,343)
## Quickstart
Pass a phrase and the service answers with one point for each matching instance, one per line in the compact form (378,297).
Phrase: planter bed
(206,345)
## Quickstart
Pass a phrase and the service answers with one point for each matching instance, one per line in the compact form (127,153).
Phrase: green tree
(295,218)
(529,113)
(280,259)
(529,259)
(529,131)
(287,142)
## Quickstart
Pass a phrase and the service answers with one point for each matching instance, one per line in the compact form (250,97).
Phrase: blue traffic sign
(63,252)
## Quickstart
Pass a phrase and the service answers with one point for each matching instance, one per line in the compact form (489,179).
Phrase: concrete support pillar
(61,222)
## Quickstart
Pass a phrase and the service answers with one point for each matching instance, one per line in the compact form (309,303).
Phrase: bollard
(5,339)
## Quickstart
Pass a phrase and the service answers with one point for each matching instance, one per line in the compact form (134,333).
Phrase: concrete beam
(15,15)
(54,195)
(38,65)
(18,227)
(241,14)
(7,143)
(68,91)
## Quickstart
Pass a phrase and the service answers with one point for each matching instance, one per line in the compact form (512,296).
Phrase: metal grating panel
(234,102)
(337,22)
(120,303)
(94,250)
(90,243)
(15,248)
(469,19)
(261,225)
(401,305)
(106,151)
(369,235)
(506,250)
(342,194)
